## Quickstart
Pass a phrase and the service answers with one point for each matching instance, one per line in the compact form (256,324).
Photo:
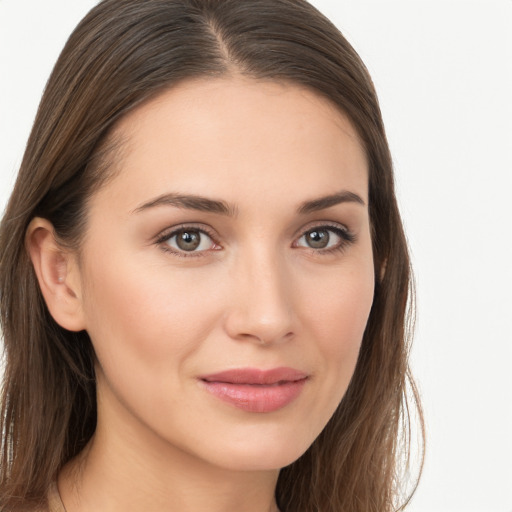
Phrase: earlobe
(57,274)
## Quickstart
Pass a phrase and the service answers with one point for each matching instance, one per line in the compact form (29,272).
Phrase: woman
(204,278)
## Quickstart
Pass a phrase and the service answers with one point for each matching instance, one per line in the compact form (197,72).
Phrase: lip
(255,390)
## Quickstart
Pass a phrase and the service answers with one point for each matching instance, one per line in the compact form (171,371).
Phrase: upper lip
(256,376)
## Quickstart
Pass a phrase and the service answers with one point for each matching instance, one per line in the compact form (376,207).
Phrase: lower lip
(256,397)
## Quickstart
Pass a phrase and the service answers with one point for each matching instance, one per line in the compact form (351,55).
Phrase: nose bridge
(261,307)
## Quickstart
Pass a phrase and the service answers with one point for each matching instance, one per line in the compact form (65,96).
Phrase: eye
(325,238)
(187,240)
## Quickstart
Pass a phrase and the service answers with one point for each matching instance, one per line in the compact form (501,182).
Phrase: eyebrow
(205,204)
(325,202)
(190,202)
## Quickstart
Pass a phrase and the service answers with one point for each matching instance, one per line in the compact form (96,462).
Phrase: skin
(255,294)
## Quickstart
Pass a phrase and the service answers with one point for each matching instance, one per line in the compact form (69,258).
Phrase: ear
(57,273)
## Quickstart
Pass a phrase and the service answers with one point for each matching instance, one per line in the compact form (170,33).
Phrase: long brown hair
(120,55)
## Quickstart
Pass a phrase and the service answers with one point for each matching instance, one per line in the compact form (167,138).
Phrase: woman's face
(227,273)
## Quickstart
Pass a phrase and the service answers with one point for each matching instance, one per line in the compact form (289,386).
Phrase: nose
(261,309)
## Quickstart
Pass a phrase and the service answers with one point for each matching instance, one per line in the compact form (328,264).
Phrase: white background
(443,70)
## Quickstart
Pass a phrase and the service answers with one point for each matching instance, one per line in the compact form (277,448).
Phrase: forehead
(232,137)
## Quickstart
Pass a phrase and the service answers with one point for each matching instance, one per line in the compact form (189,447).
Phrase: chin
(265,451)
(265,460)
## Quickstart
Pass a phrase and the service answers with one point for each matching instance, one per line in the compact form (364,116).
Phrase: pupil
(318,239)
(188,240)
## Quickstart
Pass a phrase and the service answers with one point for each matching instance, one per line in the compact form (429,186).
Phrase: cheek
(338,318)
(147,324)
(146,314)
(343,342)
(341,304)
(345,313)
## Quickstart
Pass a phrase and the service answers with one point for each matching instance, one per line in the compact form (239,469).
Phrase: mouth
(254,390)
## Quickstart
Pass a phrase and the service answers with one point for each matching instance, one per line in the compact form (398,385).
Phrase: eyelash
(346,238)
(168,234)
